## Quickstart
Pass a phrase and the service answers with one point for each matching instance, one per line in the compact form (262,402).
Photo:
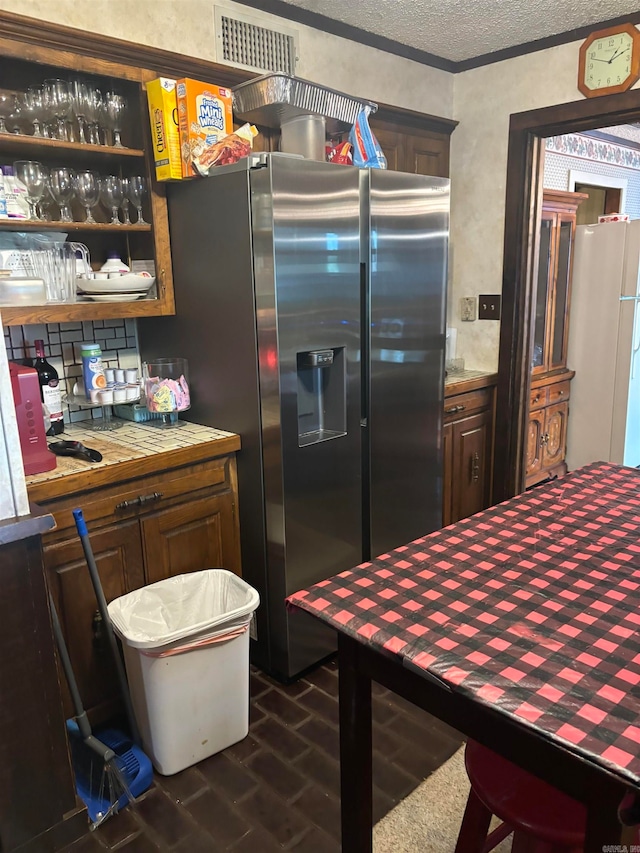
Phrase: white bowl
(127,283)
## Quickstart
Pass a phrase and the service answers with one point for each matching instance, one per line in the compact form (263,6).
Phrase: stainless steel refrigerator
(311,307)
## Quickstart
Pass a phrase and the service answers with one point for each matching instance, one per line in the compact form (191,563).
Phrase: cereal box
(205,117)
(163,115)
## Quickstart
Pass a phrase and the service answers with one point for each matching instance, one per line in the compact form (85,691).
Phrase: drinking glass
(34,108)
(87,186)
(6,106)
(34,176)
(137,188)
(114,105)
(16,117)
(93,113)
(57,97)
(111,192)
(79,97)
(124,204)
(61,187)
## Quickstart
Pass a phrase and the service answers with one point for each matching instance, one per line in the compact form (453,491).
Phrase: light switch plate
(468,308)
(489,307)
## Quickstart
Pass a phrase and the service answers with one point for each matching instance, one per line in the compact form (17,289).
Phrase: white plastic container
(186,650)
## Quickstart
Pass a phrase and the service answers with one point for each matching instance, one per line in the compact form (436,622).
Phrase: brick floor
(278,789)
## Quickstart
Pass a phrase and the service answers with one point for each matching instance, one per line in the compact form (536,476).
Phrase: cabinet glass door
(545,277)
(558,356)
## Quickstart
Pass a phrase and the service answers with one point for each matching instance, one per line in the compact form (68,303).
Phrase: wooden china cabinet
(550,378)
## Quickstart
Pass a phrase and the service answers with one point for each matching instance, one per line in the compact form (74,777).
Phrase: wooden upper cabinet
(142,241)
(412,142)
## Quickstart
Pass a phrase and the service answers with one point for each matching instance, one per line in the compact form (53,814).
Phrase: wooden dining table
(517,626)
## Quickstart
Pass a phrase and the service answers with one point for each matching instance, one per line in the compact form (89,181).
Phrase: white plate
(123,284)
(113,297)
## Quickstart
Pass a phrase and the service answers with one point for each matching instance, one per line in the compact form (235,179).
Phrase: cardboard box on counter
(205,117)
(163,115)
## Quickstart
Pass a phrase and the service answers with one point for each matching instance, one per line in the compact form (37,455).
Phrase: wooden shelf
(21,144)
(46,225)
(74,311)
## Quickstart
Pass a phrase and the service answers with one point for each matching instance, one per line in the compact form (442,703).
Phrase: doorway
(606,194)
(527,133)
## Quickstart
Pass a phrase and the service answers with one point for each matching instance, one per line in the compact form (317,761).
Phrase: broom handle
(80,714)
(102,607)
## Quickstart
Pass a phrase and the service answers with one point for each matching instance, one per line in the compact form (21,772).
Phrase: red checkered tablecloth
(531,607)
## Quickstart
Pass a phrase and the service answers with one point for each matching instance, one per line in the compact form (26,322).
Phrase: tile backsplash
(118,340)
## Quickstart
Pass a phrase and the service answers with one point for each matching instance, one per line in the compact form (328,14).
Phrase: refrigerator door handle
(365,331)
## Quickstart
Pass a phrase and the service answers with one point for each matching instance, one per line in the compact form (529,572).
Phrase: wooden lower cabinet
(547,428)
(141,531)
(194,535)
(467,451)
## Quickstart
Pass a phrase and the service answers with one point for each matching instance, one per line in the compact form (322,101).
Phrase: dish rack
(275,98)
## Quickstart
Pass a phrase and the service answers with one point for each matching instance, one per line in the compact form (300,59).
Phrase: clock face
(608,61)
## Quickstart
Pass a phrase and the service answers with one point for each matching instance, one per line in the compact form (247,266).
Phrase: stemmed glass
(16,115)
(57,98)
(124,204)
(93,113)
(6,108)
(87,186)
(62,188)
(111,192)
(34,176)
(114,105)
(33,108)
(137,188)
(79,99)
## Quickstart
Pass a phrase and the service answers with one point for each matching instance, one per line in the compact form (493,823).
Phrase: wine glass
(57,97)
(79,97)
(34,176)
(137,188)
(6,106)
(93,113)
(124,204)
(87,187)
(16,116)
(114,105)
(62,188)
(33,108)
(111,192)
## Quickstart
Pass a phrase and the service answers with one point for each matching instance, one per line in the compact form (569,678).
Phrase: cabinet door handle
(536,399)
(544,438)
(454,409)
(141,499)
(475,467)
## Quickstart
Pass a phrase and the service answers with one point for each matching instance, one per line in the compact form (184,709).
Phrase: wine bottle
(49,389)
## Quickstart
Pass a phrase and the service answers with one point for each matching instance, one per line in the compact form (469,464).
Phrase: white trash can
(186,651)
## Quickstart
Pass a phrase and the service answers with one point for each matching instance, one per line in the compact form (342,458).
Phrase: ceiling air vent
(245,43)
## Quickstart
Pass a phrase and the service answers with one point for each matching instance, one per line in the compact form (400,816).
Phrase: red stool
(542,819)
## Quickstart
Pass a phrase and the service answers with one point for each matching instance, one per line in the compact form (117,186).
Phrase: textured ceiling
(462,29)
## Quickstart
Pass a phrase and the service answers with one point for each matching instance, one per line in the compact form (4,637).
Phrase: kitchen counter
(130,451)
(468,380)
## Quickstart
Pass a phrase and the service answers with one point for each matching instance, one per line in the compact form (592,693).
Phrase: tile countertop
(129,444)
(464,376)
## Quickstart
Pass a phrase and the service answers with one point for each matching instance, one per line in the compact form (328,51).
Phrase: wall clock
(609,61)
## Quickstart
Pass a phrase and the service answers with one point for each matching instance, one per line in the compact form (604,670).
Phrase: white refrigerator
(604,344)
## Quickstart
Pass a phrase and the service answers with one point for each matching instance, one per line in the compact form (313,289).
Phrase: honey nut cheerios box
(163,116)
(205,117)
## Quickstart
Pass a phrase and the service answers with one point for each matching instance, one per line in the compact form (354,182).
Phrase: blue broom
(110,771)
